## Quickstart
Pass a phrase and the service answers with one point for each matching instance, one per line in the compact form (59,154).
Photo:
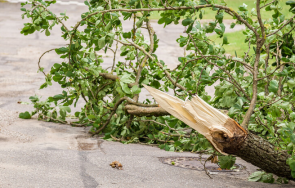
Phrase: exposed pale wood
(208,121)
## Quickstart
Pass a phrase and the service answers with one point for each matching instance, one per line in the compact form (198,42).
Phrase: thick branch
(253,149)
(142,64)
(249,112)
(259,20)
(263,154)
(143,111)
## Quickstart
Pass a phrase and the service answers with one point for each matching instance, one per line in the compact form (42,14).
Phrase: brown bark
(264,155)
(145,111)
(253,149)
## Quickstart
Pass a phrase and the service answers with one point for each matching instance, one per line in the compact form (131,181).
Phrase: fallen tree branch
(144,111)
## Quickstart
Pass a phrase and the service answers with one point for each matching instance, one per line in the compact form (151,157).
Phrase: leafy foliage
(226,162)
(260,83)
(260,176)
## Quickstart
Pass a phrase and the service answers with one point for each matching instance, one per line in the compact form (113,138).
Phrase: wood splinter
(224,133)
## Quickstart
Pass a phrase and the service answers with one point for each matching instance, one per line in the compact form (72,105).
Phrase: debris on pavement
(116,164)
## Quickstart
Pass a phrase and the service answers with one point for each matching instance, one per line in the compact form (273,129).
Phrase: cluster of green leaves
(261,176)
(205,63)
(226,162)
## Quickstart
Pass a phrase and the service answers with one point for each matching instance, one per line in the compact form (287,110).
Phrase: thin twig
(291,19)
(273,102)
(267,4)
(40,60)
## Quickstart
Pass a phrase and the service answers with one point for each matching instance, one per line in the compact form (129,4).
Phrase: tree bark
(253,149)
(264,155)
(145,111)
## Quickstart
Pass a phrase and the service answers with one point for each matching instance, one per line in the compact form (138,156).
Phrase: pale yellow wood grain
(196,113)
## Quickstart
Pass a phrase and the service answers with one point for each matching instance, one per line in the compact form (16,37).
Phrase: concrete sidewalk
(41,154)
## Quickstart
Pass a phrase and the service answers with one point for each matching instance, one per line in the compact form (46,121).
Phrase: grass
(234,4)
(237,43)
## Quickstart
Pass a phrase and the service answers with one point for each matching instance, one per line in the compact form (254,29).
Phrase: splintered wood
(222,131)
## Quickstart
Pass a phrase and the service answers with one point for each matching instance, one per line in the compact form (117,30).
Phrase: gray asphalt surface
(40,154)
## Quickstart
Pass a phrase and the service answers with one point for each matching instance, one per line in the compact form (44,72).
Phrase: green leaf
(155,84)
(25,115)
(58,97)
(290,148)
(219,17)
(211,50)
(285,59)
(84,60)
(86,3)
(256,176)
(57,66)
(283,73)
(70,74)
(225,41)
(127,35)
(242,8)
(290,3)
(187,21)
(139,23)
(218,31)
(291,83)
(165,20)
(34,98)
(285,105)
(291,163)
(232,25)
(226,162)
(273,86)
(47,33)
(220,62)
(65,108)
(161,20)
(125,88)
(126,78)
(61,50)
(282,180)
(292,116)
(108,27)
(101,42)
(203,2)
(267,178)
(135,89)
(114,14)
